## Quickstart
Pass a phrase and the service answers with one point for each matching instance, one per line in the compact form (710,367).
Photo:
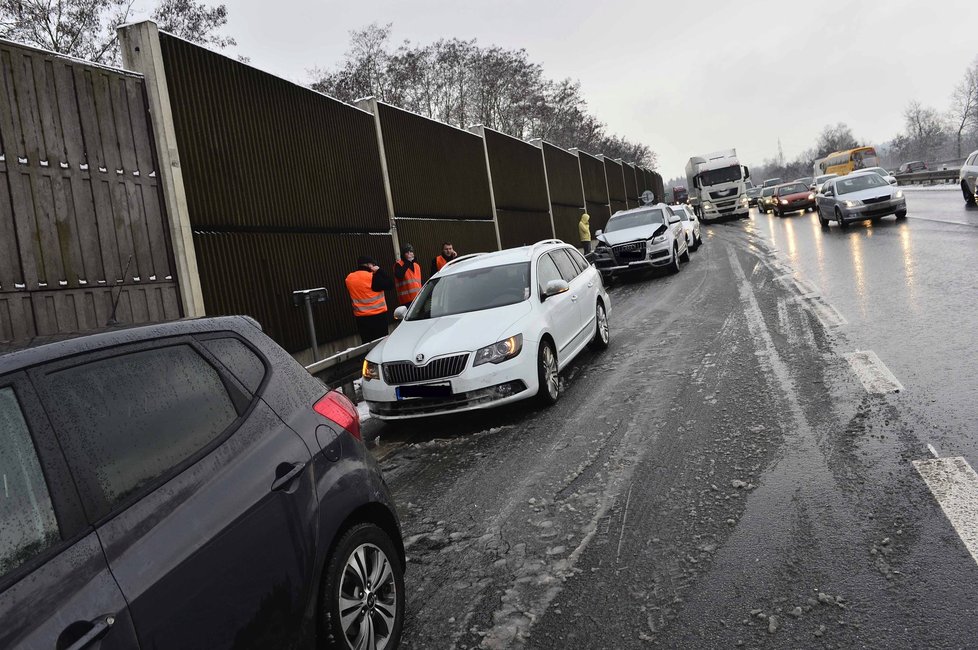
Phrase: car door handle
(99,627)
(590,284)
(291,470)
(574,298)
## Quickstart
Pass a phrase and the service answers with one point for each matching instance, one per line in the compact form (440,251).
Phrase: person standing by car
(447,255)
(407,276)
(584,230)
(366,287)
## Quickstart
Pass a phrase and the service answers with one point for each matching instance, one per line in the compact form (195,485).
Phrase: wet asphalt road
(720,476)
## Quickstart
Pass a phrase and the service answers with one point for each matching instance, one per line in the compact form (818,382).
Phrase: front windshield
(794,188)
(473,290)
(852,184)
(635,219)
(767,191)
(717,176)
(806,181)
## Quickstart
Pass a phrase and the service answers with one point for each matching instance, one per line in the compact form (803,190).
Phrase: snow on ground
(948,187)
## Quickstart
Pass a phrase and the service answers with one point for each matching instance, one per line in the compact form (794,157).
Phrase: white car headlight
(744,199)
(811,197)
(371,370)
(658,240)
(707,206)
(853,203)
(499,351)
(784,201)
(898,195)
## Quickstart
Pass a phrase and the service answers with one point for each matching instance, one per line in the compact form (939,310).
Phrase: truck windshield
(635,219)
(717,176)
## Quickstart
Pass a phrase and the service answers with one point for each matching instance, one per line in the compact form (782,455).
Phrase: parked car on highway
(819,182)
(752,195)
(186,485)
(765,202)
(691,225)
(486,330)
(913,166)
(792,197)
(641,239)
(968,177)
(857,197)
(886,176)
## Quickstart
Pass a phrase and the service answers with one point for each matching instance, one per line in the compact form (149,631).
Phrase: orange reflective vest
(440,262)
(409,287)
(366,301)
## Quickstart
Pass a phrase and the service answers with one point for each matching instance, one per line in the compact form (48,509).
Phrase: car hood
(869,193)
(796,196)
(630,234)
(435,337)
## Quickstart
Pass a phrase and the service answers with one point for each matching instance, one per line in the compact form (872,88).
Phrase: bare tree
(964,105)
(834,138)
(925,134)
(86,29)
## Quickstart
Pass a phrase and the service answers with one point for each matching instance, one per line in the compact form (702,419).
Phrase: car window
(27,522)
(475,290)
(127,421)
(568,271)
(238,358)
(546,272)
(578,259)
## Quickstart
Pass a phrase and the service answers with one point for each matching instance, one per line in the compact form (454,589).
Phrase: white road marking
(828,315)
(954,484)
(873,373)
(933,451)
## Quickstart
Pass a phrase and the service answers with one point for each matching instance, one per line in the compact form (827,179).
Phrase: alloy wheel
(368,599)
(603,330)
(550,375)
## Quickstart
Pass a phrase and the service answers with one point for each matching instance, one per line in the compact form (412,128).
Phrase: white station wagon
(486,330)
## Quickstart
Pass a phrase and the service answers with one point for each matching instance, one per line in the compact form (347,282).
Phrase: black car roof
(21,355)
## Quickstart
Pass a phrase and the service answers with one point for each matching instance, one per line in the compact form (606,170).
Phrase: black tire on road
(969,196)
(547,374)
(674,266)
(602,331)
(685,256)
(838,217)
(901,214)
(822,220)
(341,579)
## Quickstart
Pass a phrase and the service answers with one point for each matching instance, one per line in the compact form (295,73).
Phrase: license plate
(424,390)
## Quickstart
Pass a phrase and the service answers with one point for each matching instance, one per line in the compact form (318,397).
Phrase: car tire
(674,266)
(697,242)
(838,217)
(685,256)
(364,543)
(901,214)
(602,331)
(969,196)
(822,220)
(547,374)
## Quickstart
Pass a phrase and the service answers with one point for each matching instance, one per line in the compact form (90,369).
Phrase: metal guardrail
(341,370)
(928,177)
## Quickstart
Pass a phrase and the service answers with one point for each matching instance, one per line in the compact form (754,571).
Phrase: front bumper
(658,255)
(478,387)
(796,206)
(868,211)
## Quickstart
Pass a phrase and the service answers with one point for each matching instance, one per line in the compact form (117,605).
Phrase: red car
(792,197)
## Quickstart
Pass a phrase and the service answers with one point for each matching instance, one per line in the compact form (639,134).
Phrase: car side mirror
(674,219)
(598,233)
(555,287)
(400,313)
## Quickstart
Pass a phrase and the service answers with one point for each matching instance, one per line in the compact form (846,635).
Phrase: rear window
(27,522)
(127,421)
(568,271)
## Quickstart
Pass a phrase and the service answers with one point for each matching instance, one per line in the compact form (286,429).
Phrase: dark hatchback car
(188,485)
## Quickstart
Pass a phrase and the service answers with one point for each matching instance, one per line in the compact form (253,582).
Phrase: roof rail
(547,241)
(463,257)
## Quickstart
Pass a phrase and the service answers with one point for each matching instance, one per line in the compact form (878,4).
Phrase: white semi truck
(716,183)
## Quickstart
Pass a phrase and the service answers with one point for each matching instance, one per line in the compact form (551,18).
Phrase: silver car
(820,181)
(691,225)
(969,178)
(858,197)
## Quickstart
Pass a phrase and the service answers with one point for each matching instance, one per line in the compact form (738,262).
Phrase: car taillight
(336,407)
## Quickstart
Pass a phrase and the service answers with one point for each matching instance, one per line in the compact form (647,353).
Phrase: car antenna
(115,302)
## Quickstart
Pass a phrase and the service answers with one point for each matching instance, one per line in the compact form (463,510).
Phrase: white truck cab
(717,185)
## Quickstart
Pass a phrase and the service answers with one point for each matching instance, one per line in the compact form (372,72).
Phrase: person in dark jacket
(447,255)
(366,287)
(407,276)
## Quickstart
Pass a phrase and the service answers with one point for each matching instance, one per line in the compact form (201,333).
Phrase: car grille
(876,199)
(631,252)
(405,372)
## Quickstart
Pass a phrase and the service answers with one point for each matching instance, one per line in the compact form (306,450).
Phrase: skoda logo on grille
(419,358)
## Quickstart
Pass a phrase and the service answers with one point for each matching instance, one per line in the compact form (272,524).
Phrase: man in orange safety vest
(366,286)
(447,255)
(407,276)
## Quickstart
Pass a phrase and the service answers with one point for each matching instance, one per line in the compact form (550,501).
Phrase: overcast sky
(687,77)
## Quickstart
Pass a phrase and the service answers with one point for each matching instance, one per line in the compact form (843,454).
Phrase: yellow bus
(844,162)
